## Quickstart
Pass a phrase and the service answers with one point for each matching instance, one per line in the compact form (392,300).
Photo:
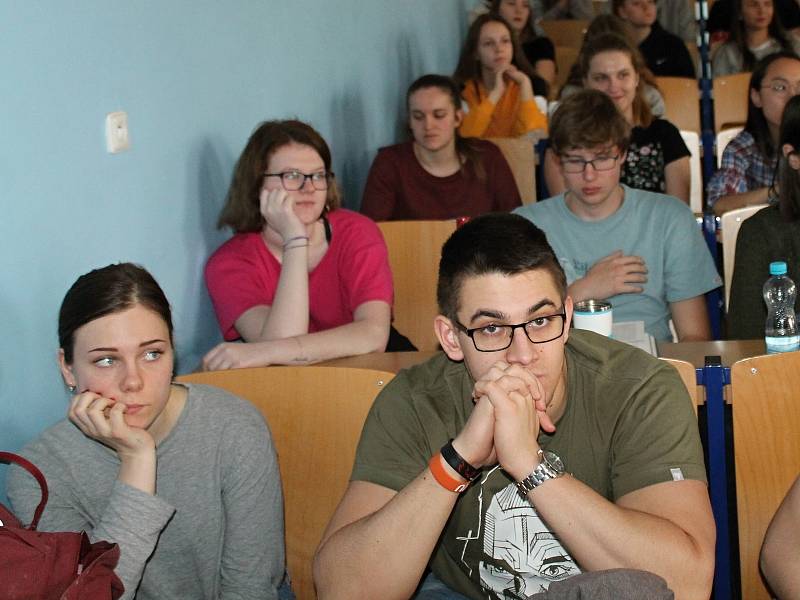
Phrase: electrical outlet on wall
(117,138)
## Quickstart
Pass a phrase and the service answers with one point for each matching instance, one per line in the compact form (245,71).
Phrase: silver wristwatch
(551,467)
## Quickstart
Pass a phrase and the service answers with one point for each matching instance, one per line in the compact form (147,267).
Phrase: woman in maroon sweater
(437,175)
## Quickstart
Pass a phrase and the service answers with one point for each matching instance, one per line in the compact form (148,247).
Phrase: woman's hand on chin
(277,208)
(103,419)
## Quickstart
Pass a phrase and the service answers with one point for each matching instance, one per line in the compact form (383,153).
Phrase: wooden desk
(696,352)
(692,352)
(382,361)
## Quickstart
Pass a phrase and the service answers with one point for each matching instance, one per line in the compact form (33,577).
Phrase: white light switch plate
(117,139)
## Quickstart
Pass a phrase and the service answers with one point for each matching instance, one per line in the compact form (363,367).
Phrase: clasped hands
(510,410)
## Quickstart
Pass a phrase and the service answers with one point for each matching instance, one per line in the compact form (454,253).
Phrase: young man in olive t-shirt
(527,454)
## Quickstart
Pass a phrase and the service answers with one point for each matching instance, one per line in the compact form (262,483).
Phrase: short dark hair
(789,178)
(588,119)
(493,243)
(756,124)
(106,291)
(242,211)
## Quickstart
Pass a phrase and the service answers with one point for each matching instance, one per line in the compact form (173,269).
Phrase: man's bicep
(360,499)
(683,503)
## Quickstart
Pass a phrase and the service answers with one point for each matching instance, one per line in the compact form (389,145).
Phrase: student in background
(563,9)
(438,174)
(496,82)
(657,159)
(677,17)
(755,32)
(665,53)
(642,251)
(608,23)
(538,49)
(772,234)
(183,477)
(302,280)
(748,162)
(781,549)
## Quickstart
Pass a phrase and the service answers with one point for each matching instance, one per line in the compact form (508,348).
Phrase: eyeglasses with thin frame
(494,337)
(294,180)
(782,87)
(578,165)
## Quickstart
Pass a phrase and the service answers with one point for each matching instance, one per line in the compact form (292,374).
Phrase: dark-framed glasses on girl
(294,180)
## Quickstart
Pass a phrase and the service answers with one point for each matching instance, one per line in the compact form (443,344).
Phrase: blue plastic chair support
(715,377)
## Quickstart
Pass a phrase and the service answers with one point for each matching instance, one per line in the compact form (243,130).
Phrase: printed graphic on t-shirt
(520,556)
(644,167)
(573,269)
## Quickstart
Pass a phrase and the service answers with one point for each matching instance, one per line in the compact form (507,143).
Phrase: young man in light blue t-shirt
(641,251)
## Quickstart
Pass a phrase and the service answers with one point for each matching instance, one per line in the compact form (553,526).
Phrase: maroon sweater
(398,188)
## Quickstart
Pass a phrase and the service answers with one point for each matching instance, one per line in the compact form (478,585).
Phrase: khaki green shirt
(628,423)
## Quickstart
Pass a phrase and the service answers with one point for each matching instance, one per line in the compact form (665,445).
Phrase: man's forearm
(384,554)
(602,535)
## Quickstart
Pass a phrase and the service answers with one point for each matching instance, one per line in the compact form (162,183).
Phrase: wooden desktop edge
(692,352)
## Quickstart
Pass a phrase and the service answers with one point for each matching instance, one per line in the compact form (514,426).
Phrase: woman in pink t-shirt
(301,280)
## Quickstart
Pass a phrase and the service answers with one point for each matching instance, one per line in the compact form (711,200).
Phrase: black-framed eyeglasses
(294,180)
(493,337)
(578,165)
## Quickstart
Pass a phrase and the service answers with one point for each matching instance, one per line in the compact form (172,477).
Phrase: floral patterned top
(650,151)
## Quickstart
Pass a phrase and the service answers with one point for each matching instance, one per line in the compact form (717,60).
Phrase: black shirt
(666,54)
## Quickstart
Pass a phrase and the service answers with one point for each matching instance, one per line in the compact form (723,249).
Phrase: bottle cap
(777,268)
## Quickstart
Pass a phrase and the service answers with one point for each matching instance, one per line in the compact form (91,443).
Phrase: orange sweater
(510,117)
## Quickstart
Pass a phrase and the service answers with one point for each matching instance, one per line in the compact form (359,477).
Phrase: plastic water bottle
(780,332)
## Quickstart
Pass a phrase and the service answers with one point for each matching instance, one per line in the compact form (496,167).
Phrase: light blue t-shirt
(659,228)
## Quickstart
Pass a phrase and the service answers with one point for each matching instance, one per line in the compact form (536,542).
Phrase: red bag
(52,565)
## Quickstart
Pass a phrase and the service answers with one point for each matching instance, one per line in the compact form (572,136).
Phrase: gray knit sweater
(216,522)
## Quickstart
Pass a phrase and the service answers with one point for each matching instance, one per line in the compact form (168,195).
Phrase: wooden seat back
(521,158)
(730,222)
(681,102)
(765,398)
(315,415)
(414,251)
(730,100)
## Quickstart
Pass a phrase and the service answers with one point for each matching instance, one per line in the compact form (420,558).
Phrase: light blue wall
(194,76)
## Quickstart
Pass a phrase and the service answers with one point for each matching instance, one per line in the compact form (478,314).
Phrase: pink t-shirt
(242,273)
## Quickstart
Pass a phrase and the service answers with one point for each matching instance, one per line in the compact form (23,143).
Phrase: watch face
(553,461)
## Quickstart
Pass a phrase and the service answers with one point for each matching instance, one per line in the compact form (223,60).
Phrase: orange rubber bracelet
(443,478)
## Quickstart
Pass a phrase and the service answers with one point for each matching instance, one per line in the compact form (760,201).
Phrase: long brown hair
(469,67)
(739,35)
(242,211)
(468,153)
(612,42)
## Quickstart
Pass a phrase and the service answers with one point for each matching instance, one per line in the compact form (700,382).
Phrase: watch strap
(455,460)
(443,478)
(541,473)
